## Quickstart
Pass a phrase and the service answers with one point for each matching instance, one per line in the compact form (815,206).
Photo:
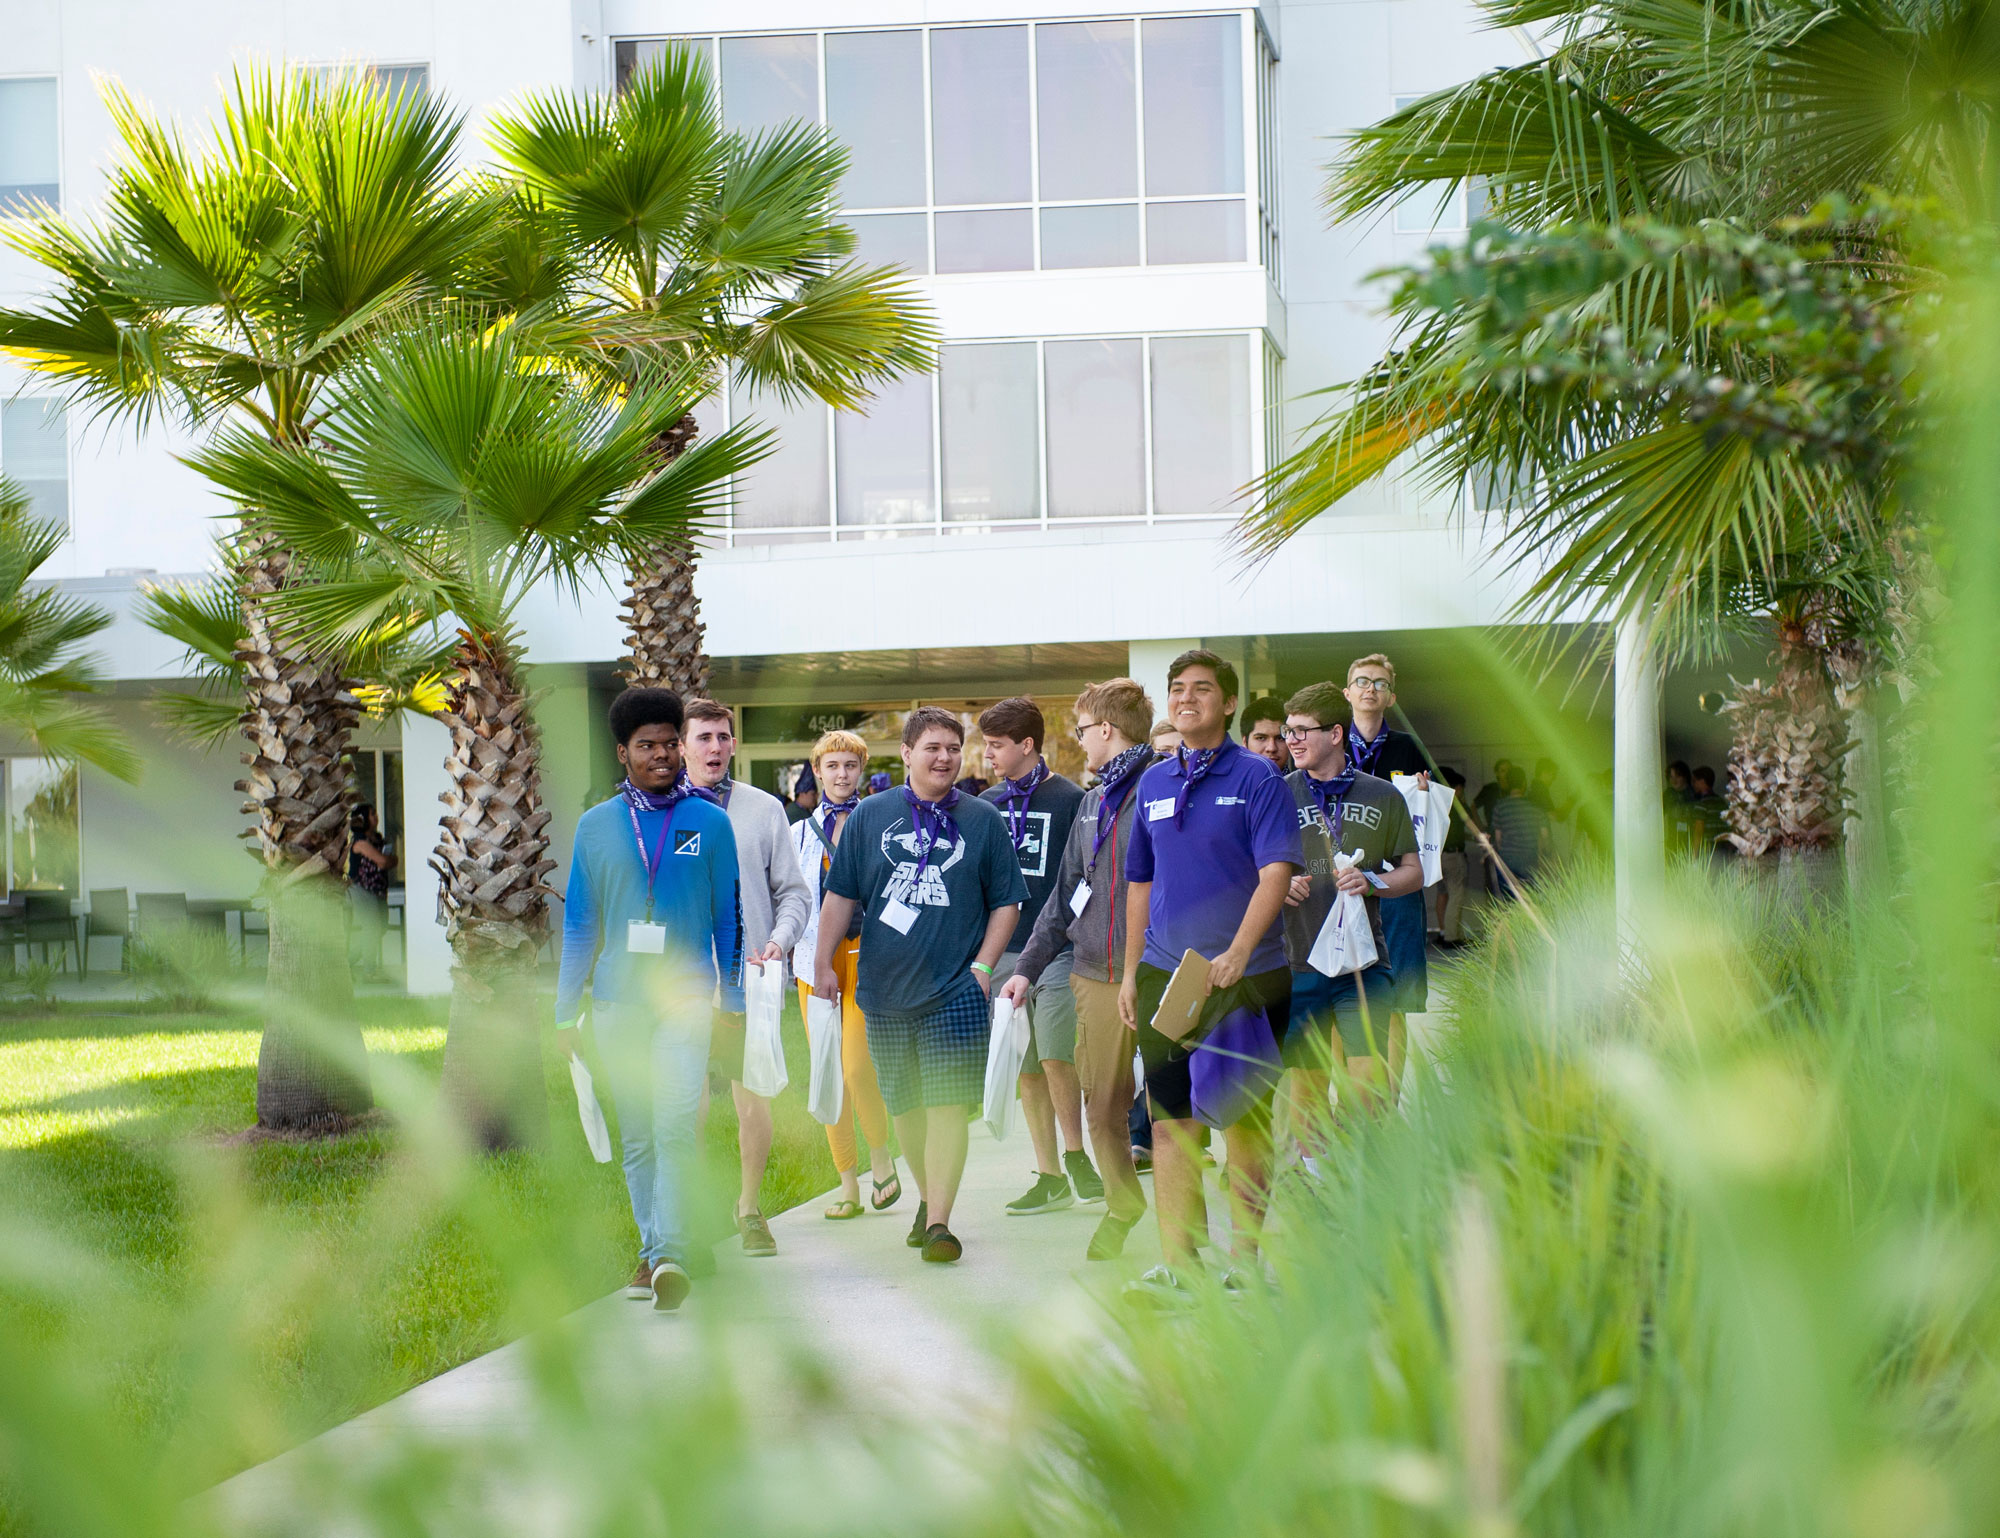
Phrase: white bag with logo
(1430,813)
(1005,1048)
(595,1132)
(825,1091)
(1346,941)
(764,1043)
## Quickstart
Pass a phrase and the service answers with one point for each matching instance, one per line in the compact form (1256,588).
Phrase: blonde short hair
(839,742)
(1123,703)
(1379,660)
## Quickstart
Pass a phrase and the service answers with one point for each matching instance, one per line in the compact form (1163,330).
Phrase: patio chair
(110,918)
(47,921)
(160,913)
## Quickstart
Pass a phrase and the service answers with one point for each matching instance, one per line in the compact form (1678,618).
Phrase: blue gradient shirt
(695,898)
(1239,819)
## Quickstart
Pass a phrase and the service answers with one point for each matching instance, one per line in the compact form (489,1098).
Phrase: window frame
(7,208)
(20,396)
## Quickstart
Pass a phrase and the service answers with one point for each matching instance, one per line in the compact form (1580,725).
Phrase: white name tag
(1374,880)
(644,939)
(1159,811)
(1080,898)
(898,915)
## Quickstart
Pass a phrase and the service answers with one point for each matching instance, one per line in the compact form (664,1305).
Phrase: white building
(1115,212)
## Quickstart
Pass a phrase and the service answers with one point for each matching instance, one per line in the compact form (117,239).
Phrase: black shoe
(940,1246)
(1108,1243)
(918,1228)
(1081,1176)
(1049,1193)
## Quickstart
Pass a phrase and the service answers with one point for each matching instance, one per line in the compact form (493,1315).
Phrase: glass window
(402,79)
(29,164)
(1194,104)
(34,454)
(992,453)
(787,488)
(986,240)
(883,456)
(42,844)
(1096,430)
(892,240)
(1194,232)
(768,81)
(1091,235)
(1201,422)
(1084,90)
(979,111)
(632,54)
(875,105)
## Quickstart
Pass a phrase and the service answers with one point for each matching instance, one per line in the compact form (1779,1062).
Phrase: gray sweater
(1097,933)
(776,904)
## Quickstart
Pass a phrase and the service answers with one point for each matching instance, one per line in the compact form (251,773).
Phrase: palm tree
(226,285)
(460,471)
(1689,117)
(695,246)
(41,669)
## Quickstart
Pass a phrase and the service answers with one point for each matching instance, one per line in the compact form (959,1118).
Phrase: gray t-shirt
(1374,824)
(968,874)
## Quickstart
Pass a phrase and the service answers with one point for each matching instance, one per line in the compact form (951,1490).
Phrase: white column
(425,744)
(1639,840)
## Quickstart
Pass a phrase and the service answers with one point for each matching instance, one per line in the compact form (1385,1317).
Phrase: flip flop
(844,1209)
(893,1187)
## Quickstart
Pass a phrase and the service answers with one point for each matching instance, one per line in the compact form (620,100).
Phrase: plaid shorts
(936,1056)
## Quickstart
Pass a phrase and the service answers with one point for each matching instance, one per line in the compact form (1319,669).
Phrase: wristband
(980,966)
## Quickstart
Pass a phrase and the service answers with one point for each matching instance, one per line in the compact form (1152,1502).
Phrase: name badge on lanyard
(642,936)
(1080,898)
(898,915)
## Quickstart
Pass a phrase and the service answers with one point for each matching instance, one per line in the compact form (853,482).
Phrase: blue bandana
(1366,755)
(1195,765)
(1015,798)
(932,820)
(1338,789)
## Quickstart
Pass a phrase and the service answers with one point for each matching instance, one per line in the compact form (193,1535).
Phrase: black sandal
(893,1185)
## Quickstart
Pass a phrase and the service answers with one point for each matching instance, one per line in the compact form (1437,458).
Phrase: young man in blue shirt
(1213,853)
(935,875)
(652,923)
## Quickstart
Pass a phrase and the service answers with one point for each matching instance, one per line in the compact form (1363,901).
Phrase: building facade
(1115,212)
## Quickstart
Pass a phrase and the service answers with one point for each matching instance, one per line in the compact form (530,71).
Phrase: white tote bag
(595,1132)
(764,1046)
(1430,812)
(1005,1047)
(1346,941)
(824,1090)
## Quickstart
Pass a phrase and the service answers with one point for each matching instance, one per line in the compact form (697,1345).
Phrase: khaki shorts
(1103,1045)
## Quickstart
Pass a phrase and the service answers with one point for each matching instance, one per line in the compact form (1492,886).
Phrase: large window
(34,453)
(43,848)
(1022,146)
(1015,434)
(29,160)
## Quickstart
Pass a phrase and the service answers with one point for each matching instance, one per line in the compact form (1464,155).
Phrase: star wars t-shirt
(924,917)
(1374,825)
(1044,830)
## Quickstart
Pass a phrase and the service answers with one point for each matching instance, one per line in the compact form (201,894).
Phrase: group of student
(916,905)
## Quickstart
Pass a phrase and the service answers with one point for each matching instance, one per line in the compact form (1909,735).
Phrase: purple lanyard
(651,863)
(920,813)
(1367,755)
(1107,818)
(1335,821)
(1014,800)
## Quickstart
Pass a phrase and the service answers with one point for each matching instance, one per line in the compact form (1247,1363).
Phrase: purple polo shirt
(1239,818)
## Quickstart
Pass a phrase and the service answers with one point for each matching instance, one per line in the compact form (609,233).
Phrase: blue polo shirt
(1239,819)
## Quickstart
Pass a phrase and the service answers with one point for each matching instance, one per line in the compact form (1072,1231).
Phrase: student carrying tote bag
(764,1043)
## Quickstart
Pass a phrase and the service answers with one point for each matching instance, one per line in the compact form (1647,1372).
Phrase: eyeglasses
(1086,726)
(1371,685)
(1300,733)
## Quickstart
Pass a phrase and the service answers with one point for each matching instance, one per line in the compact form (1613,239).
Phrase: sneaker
(641,1285)
(919,1228)
(1108,1243)
(756,1233)
(1142,1158)
(670,1286)
(1081,1176)
(1161,1289)
(940,1246)
(1049,1193)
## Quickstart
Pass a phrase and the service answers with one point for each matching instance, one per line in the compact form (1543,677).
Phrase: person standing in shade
(1375,749)
(1520,832)
(1083,921)
(775,909)
(934,874)
(838,759)
(1214,848)
(1263,728)
(805,796)
(652,925)
(1455,867)
(1040,807)
(1340,810)
(368,865)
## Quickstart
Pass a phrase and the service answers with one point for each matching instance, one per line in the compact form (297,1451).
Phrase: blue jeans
(658,1067)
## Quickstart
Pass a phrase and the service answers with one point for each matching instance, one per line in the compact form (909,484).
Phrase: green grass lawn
(120,1139)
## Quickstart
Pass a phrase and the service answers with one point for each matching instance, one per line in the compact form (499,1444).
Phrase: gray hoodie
(1097,933)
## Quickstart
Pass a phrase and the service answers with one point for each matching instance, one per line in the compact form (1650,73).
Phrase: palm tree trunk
(492,900)
(312,1069)
(663,628)
(1785,758)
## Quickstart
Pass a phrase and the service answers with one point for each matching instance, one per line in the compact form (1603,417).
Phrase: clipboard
(1181,1005)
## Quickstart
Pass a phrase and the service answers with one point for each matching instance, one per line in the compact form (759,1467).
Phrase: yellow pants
(860,1095)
